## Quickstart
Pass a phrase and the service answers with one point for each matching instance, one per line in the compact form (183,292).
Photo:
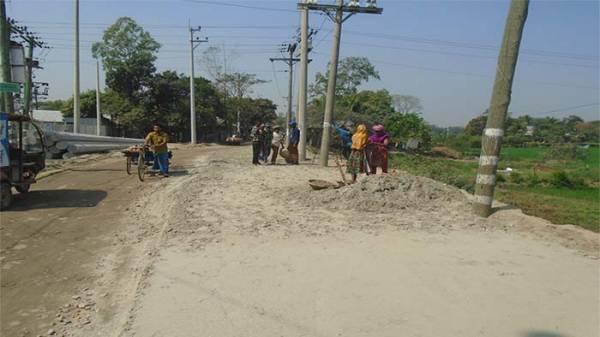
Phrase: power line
(567,85)
(378,35)
(465,55)
(469,45)
(230,4)
(89,25)
(563,109)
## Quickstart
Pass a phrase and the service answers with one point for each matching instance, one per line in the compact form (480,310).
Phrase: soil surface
(225,248)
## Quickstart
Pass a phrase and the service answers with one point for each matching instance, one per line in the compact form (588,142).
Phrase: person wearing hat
(276,143)
(293,143)
(378,143)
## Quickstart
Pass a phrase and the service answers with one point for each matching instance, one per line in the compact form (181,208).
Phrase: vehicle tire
(23,188)
(5,196)
(128,167)
(141,169)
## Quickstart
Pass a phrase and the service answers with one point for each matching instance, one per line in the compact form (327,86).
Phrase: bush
(533,180)
(562,179)
(500,178)
(516,178)
(565,152)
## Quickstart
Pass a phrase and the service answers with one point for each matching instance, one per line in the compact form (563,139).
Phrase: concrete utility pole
(491,140)
(336,14)
(98,115)
(290,61)
(76,73)
(302,97)
(28,88)
(194,42)
(6,101)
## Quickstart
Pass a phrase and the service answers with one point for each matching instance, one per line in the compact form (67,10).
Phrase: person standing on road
(293,143)
(267,139)
(346,140)
(256,144)
(378,143)
(356,161)
(157,140)
(276,143)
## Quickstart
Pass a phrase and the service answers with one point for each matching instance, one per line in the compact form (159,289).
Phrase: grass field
(533,187)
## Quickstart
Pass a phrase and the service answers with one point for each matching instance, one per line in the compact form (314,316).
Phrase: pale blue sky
(444,52)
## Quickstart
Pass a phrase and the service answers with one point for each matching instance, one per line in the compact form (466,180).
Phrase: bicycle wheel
(128,165)
(141,167)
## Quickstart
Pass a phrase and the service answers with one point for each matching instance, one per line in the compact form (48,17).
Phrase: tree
(87,105)
(368,106)
(352,72)
(476,125)
(256,110)
(588,132)
(128,53)
(404,126)
(58,104)
(239,84)
(407,104)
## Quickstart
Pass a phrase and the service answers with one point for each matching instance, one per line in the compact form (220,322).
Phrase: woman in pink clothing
(378,143)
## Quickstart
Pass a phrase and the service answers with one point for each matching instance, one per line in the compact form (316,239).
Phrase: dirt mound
(389,193)
(446,152)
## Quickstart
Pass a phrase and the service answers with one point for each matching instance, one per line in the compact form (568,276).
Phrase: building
(53,120)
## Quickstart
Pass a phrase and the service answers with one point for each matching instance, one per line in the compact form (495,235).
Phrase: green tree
(588,131)
(476,125)
(254,110)
(549,130)
(87,105)
(352,73)
(367,106)
(404,126)
(167,101)
(58,104)
(128,53)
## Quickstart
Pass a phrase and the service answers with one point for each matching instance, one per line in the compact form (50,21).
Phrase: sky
(444,52)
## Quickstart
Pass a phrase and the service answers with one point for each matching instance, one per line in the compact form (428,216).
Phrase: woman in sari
(378,143)
(356,161)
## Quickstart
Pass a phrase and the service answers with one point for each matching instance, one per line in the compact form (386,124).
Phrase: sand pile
(390,193)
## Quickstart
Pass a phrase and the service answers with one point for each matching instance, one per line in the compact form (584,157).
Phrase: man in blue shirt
(346,140)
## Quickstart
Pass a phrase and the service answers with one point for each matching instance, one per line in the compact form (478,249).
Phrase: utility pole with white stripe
(98,114)
(491,141)
(302,87)
(76,103)
(194,42)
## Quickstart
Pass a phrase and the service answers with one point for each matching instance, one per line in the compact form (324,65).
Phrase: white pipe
(92,148)
(67,136)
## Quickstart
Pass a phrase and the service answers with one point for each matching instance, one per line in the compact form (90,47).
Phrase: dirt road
(55,238)
(229,249)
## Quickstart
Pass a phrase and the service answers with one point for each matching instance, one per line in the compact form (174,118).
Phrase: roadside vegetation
(560,183)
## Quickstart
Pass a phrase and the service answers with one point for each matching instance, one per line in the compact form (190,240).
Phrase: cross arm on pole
(347,9)
(196,41)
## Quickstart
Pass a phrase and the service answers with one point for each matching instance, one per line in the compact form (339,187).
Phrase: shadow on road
(540,333)
(98,170)
(41,199)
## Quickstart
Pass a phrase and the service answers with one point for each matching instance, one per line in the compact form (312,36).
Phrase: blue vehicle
(22,155)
